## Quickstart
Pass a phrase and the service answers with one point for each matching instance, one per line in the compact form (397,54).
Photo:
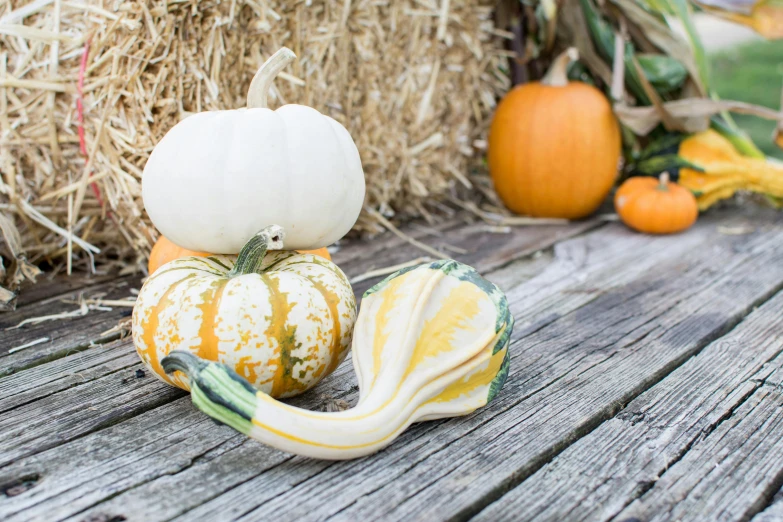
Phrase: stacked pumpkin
(230,315)
(555,151)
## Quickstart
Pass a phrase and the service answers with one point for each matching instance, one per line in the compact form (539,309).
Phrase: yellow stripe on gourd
(389,306)
(438,334)
(471,382)
(332,302)
(310,442)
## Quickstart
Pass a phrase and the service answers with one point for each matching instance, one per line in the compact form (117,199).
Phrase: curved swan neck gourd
(430,342)
(259,87)
(251,257)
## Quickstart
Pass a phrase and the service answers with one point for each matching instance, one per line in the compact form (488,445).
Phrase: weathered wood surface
(604,319)
(642,446)
(62,336)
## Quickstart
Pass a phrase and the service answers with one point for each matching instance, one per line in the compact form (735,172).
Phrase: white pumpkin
(219,177)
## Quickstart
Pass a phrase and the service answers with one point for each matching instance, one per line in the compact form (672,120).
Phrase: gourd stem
(262,81)
(663,180)
(184,362)
(557,76)
(251,256)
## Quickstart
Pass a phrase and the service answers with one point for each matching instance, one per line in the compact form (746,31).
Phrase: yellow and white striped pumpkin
(282,320)
(430,342)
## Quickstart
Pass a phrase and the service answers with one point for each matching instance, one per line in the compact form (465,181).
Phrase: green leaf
(671,163)
(665,73)
(666,144)
(600,30)
(737,137)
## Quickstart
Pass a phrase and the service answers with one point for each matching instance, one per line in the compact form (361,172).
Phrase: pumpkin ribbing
(284,324)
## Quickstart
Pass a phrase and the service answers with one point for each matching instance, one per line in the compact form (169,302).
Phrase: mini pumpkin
(218,177)
(164,251)
(554,146)
(430,342)
(282,320)
(655,206)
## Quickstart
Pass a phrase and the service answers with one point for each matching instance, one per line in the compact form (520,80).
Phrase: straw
(89,88)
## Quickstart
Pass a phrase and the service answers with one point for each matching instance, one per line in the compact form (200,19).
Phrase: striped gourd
(282,320)
(429,342)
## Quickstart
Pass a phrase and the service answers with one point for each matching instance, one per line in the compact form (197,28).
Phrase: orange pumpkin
(165,251)
(554,146)
(655,206)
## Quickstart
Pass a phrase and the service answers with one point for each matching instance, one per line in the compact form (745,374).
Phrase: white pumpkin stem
(252,254)
(557,76)
(266,74)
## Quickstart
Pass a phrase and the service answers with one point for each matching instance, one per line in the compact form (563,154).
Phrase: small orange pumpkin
(554,146)
(165,251)
(655,206)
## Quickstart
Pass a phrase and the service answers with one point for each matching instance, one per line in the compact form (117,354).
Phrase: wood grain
(63,336)
(596,477)
(730,475)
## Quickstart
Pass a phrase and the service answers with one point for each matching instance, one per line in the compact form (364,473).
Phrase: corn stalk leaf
(661,35)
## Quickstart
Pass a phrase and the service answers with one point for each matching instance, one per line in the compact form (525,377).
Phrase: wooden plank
(773,512)
(596,477)
(60,336)
(578,372)
(75,370)
(167,439)
(60,285)
(484,250)
(342,384)
(73,412)
(623,287)
(730,475)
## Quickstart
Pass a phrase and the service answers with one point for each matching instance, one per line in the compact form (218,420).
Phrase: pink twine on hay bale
(80,116)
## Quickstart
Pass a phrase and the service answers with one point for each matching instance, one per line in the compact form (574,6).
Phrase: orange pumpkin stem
(664,181)
(557,76)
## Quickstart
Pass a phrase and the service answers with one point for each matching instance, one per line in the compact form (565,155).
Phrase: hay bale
(413,81)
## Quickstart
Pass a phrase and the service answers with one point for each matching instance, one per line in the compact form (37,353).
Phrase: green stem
(251,257)
(184,362)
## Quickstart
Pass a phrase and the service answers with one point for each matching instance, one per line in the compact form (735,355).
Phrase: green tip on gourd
(215,389)
(184,362)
